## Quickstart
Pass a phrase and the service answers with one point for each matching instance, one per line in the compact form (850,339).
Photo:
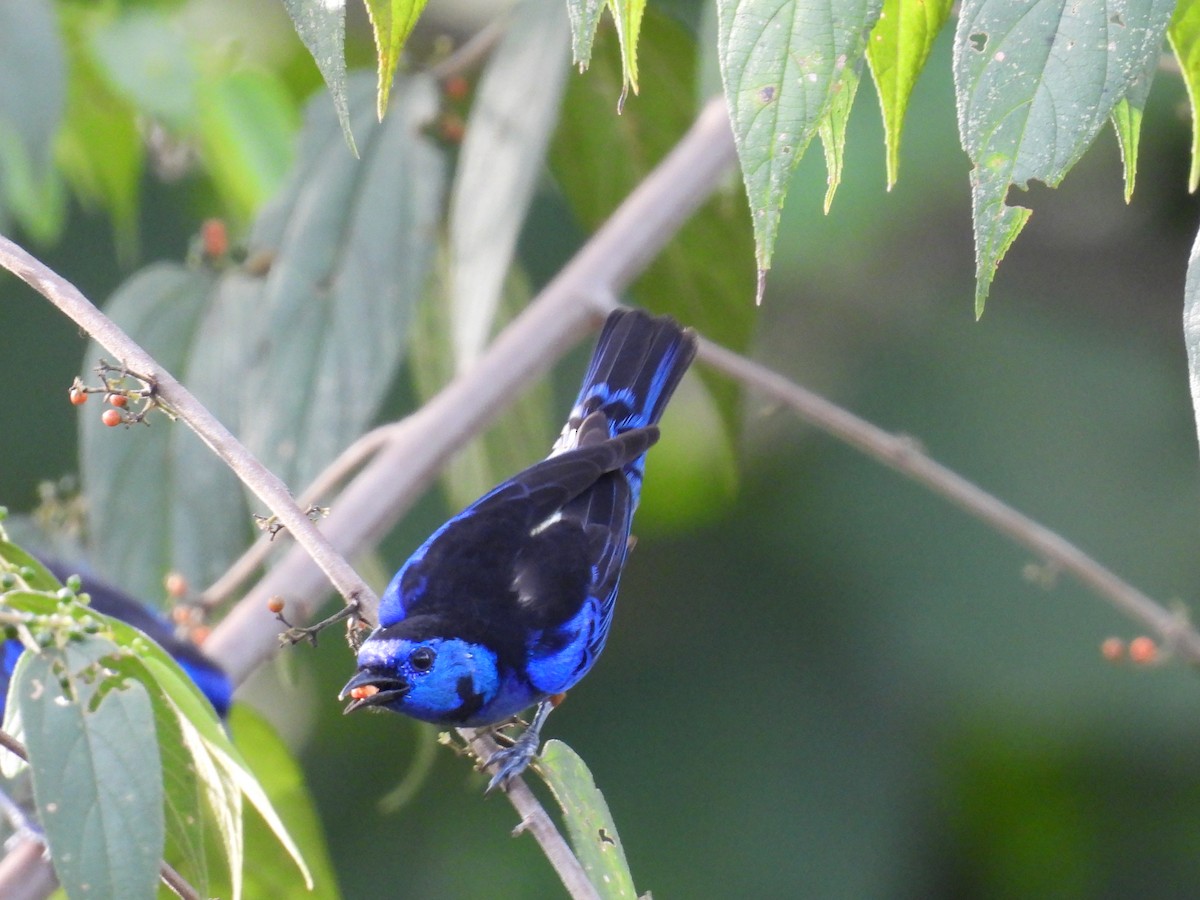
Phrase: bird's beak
(369,688)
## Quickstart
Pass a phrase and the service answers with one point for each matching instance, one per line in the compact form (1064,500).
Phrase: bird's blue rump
(509,603)
(109,601)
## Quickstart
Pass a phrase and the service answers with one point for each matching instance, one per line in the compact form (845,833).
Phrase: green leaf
(33,72)
(351,246)
(1127,122)
(833,133)
(146,58)
(247,129)
(782,65)
(595,162)
(321,25)
(1184,36)
(1035,83)
(589,823)
(158,499)
(392,22)
(100,150)
(97,779)
(29,570)
(585,17)
(515,108)
(283,781)
(897,51)
(628,15)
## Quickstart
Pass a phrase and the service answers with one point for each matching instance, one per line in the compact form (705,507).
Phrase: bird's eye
(421,659)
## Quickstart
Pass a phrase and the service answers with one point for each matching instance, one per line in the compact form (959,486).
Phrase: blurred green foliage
(831,685)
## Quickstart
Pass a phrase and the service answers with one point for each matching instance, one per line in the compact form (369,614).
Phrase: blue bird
(106,599)
(509,603)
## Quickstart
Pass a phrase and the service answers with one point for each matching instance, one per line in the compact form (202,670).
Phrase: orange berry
(118,400)
(275,605)
(363,691)
(451,128)
(112,418)
(1143,650)
(181,615)
(77,396)
(200,633)
(175,584)
(456,87)
(1113,649)
(214,235)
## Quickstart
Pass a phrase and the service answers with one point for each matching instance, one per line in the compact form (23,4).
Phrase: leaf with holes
(783,65)
(1035,82)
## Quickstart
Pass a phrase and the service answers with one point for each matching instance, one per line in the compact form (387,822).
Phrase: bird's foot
(509,762)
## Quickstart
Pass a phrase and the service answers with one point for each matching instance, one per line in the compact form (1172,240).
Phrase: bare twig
(266,486)
(903,455)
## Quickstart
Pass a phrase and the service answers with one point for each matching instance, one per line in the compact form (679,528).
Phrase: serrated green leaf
(585,17)
(897,51)
(832,131)
(514,111)
(283,781)
(589,823)
(1127,122)
(596,163)
(628,16)
(158,499)
(782,64)
(392,22)
(351,245)
(1035,82)
(321,25)
(247,130)
(1184,37)
(97,778)
(33,72)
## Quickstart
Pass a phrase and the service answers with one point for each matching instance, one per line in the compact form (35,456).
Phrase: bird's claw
(509,762)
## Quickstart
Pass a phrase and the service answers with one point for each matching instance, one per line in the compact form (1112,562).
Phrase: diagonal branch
(903,454)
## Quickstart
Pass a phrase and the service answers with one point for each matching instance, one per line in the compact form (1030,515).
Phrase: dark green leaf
(783,65)
(97,779)
(589,823)
(321,25)
(513,113)
(33,72)
(1035,83)
(158,499)
(350,245)
(247,126)
(596,161)
(272,763)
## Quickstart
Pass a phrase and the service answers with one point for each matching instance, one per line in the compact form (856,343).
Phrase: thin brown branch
(265,485)
(903,455)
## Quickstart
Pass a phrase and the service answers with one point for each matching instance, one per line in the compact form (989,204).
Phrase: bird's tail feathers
(638,362)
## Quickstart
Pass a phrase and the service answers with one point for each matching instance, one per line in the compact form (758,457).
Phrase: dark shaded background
(833,685)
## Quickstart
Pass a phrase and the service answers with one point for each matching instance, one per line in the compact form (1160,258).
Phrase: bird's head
(442,680)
